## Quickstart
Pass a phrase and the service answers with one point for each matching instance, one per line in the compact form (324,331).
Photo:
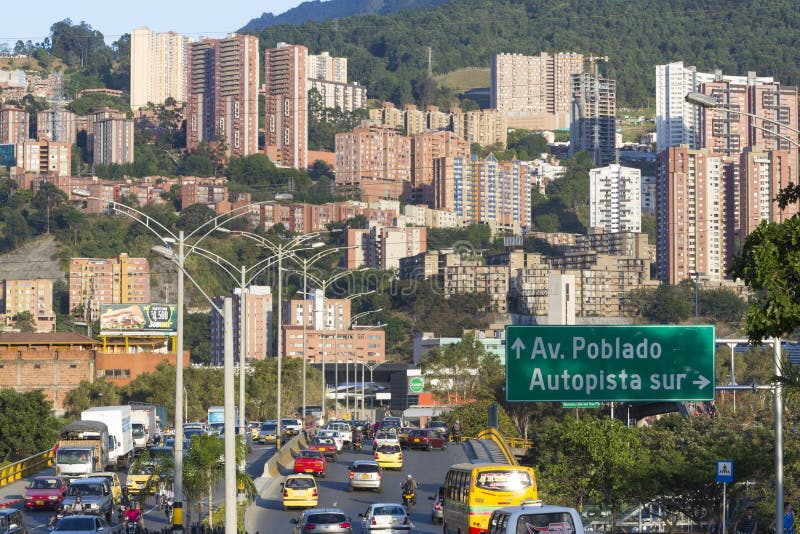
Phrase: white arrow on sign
(518,346)
(701,382)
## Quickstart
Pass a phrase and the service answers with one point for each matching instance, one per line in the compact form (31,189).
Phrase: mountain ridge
(322,10)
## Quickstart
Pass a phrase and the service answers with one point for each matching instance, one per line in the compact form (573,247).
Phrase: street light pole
(242,349)
(230,421)
(177,508)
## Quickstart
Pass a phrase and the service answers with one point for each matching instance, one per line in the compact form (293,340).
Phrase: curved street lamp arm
(142,218)
(305,263)
(209,299)
(221,262)
(222,218)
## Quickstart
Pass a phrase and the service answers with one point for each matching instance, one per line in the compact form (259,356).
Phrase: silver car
(365,474)
(325,520)
(85,524)
(385,517)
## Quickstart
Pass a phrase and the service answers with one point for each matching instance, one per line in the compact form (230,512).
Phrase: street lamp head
(317,244)
(81,192)
(701,100)
(165,252)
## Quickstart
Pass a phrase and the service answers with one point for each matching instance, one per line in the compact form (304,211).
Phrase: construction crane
(592,59)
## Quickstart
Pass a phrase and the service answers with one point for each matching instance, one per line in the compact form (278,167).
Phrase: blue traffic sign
(724,471)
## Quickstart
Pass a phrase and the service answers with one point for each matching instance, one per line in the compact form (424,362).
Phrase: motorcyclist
(134,515)
(60,512)
(125,498)
(409,485)
(78,507)
(456,430)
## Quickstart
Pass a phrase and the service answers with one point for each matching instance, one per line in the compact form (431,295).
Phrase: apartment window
(272,123)
(286,108)
(286,136)
(236,110)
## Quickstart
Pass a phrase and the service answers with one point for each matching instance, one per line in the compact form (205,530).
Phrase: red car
(45,492)
(312,462)
(324,445)
(425,438)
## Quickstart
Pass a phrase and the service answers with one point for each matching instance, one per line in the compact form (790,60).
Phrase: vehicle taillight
(376,456)
(373,522)
(351,475)
(400,456)
(309,527)
(314,493)
(437,506)
(405,520)
(346,524)
(285,493)
(379,475)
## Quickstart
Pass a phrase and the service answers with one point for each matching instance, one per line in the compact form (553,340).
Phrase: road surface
(429,468)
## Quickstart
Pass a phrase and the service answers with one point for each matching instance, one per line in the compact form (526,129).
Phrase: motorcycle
(60,513)
(455,436)
(131,527)
(357,444)
(409,500)
(168,510)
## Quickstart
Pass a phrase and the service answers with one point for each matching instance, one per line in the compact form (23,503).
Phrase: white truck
(120,433)
(143,424)
(82,448)
(216,419)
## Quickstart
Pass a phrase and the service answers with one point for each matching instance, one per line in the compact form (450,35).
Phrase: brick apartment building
(94,281)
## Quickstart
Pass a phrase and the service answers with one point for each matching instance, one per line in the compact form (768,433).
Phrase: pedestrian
(788,520)
(747,523)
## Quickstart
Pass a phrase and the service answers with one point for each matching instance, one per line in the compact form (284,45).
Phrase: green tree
(26,425)
(462,371)
(474,417)
(98,393)
(24,322)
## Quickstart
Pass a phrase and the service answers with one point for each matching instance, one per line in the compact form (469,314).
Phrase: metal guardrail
(493,434)
(11,473)
(519,443)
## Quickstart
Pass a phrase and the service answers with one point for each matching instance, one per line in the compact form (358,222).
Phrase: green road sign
(416,384)
(609,363)
(581,404)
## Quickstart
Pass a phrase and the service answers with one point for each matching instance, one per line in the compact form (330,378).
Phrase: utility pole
(430,68)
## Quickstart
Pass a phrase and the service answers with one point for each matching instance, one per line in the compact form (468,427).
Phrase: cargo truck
(82,449)
(143,423)
(120,434)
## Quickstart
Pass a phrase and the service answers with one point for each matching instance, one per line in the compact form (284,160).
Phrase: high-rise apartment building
(32,296)
(678,121)
(729,133)
(347,97)
(329,335)
(615,201)
(762,174)
(693,239)
(425,148)
(483,126)
(594,108)
(44,157)
(257,326)
(159,66)
(534,92)
(381,247)
(285,89)
(222,94)
(373,154)
(57,125)
(14,125)
(93,282)
(112,141)
(484,191)
(323,66)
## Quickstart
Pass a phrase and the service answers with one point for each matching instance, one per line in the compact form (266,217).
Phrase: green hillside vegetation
(388,54)
(465,79)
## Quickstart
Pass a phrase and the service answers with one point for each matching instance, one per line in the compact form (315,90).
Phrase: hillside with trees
(389,55)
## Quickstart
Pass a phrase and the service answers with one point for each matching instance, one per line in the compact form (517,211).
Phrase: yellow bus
(473,491)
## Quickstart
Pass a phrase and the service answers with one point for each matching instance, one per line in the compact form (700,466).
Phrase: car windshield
(322,441)
(76,523)
(143,469)
(285,422)
(555,523)
(3,524)
(417,434)
(300,483)
(268,427)
(365,468)
(138,430)
(501,480)
(85,490)
(310,454)
(389,510)
(48,483)
(72,456)
(328,518)
(389,449)
(386,435)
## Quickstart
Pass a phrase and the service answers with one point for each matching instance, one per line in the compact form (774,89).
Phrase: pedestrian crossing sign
(724,471)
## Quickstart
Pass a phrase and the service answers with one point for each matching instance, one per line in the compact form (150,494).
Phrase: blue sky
(32,20)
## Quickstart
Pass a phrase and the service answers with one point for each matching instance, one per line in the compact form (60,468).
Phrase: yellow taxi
(300,491)
(254,427)
(113,481)
(142,478)
(389,457)
(402,434)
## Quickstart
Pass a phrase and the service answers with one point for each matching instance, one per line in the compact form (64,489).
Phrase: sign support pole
(724,505)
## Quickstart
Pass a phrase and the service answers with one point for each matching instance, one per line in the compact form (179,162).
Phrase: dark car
(84,524)
(45,492)
(326,520)
(95,493)
(11,521)
(425,438)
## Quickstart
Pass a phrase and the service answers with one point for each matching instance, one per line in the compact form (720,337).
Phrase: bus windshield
(500,480)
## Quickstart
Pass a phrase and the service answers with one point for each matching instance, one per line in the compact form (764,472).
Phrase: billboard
(138,320)
(7,158)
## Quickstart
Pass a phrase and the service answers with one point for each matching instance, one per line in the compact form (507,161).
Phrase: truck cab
(82,449)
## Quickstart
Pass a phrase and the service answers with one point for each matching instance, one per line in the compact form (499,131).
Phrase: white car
(344,428)
(385,517)
(385,437)
(335,435)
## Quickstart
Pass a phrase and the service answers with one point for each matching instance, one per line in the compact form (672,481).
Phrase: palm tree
(204,467)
